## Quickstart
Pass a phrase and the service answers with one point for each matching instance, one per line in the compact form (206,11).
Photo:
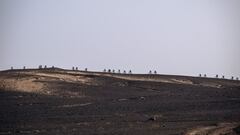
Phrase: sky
(182,37)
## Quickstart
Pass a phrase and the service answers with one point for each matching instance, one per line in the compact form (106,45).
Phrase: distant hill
(57,101)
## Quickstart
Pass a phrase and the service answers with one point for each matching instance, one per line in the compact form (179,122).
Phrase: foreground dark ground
(112,104)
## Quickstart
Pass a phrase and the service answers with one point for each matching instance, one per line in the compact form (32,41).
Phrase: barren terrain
(57,101)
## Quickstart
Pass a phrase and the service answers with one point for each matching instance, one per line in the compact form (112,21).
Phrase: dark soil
(118,106)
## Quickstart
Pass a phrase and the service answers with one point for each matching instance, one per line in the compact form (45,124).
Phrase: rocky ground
(56,101)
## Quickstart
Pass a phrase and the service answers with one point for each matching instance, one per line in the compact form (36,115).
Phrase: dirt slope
(56,101)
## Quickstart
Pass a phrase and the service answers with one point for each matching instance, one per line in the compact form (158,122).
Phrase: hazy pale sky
(184,37)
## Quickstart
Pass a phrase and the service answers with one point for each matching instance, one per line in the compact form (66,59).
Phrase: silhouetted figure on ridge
(150,72)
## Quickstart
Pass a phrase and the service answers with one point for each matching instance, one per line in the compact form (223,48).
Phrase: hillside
(57,101)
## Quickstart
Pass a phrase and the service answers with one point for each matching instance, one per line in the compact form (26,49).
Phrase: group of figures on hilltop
(124,71)
(118,71)
(223,77)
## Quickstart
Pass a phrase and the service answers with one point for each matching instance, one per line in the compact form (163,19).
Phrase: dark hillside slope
(57,101)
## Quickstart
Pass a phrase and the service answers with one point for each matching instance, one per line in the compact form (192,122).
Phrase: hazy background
(185,37)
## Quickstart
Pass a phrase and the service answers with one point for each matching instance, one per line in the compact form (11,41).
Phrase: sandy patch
(163,80)
(35,82)
(220,129)
(182,81)
(166,80)
(75,105)
(24,85)
(213,85)
(64,77)
(132,78)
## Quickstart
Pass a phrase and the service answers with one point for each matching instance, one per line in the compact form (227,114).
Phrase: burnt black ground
(118,106)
